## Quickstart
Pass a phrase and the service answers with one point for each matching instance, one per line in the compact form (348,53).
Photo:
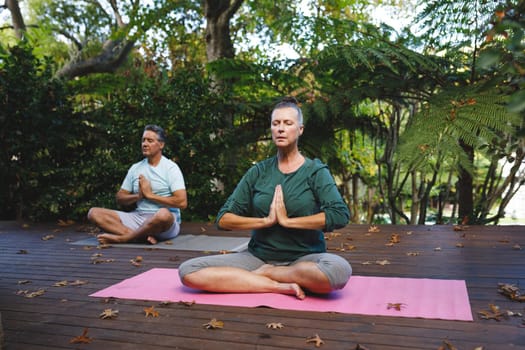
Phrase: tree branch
(114,53)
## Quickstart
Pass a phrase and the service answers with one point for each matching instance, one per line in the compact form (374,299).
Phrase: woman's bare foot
(152,240)
(293,289)
(107,238)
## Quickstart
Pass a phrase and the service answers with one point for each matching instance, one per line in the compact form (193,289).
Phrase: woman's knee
(337,269)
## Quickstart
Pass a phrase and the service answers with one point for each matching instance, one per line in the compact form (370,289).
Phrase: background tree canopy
(416,124)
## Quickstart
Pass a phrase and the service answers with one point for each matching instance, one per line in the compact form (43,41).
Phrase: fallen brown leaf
(48,237)
(187,303)
(382,262)
(29,294)
(360,347)
(81,339)
(394,238)
(78,283)
(214,324)
(396,306)
(274,325)
(331,235)
(447,346)
(413,253)
(65,222)
(315,339)
(373,228)
(493,314)
(511,291)
(150,311)
(108,314)
(60,284)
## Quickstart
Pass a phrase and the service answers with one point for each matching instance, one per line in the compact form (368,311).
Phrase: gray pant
(336,268)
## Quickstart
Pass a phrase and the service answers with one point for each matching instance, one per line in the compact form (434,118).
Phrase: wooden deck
(31,260)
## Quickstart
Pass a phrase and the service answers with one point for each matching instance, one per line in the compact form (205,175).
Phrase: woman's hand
(279,207)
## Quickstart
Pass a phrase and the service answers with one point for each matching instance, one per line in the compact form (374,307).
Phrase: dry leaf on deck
(78,283)
(22,251)
(360,347)
(516,247)
(396,306)
(274,325)
(24,282)
(29,294)
(187,303)
(60,284)
(65,223)
(382,262)
(373,228)
(511,291)
(213,324)
(493,314)
(48,237)
(459,245)
(137,262)
(331,235)
(447,346)
(413,253)
(394,238)
(315,339)
(81,339)
(150,311)
(108,314)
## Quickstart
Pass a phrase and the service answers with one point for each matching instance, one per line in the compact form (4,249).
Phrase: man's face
(151,146)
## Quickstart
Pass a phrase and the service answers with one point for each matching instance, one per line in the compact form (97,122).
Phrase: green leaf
(517,102)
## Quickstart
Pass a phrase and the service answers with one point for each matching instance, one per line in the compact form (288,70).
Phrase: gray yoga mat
(183,242)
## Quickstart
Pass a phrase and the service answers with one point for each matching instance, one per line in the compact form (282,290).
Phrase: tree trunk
(16,18)
(355,199)
(465,189)
(218,14)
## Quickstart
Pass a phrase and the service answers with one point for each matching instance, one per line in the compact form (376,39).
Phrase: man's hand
(144,187)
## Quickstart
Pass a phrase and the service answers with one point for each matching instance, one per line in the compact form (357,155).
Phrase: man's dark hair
(161,134)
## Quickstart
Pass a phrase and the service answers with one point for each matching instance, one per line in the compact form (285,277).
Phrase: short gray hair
(290,102)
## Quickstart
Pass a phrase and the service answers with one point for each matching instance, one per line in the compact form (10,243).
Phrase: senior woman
(287,201)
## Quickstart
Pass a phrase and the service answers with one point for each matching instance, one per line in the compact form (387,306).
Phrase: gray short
(335,267)
(135,219)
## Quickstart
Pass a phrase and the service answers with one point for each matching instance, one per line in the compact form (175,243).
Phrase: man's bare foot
(107,238)
(152,240)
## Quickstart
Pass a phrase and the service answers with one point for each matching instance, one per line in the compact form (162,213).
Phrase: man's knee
(164,216)
(92,214)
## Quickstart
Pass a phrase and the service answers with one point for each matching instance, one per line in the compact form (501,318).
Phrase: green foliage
(38,138)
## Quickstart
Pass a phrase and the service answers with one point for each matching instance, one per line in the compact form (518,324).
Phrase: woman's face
(285,127)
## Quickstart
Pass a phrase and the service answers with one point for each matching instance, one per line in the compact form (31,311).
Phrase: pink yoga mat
(417,297)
